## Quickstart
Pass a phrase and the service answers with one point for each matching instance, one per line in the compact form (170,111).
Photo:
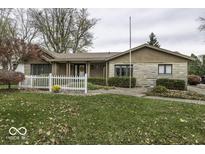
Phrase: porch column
(106,72)
(88,69)
(69,70)
(54,68)
(66,71)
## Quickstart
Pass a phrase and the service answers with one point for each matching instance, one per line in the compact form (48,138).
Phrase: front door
(79,69)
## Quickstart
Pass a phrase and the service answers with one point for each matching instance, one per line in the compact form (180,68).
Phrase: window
(165,69)
(40,69)
(123,70)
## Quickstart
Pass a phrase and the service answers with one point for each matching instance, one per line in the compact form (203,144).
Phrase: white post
(31,82)
(50,82)
(86,84)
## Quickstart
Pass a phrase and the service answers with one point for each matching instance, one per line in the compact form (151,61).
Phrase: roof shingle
(105,56)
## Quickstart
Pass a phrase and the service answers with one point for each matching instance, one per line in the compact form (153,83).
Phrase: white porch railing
(46,82)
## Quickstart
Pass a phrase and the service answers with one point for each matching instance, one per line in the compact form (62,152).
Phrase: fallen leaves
(102,119)
(48,133)
(183,120)
(40,131)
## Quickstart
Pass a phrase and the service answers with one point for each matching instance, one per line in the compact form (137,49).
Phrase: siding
(27,69)
(148,55)
(61,69)
(97,70)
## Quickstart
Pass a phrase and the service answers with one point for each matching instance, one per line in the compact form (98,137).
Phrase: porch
(92,69)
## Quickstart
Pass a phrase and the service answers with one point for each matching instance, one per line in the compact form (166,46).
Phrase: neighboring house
(148,64)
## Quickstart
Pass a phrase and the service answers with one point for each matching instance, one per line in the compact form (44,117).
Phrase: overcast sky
(176,29)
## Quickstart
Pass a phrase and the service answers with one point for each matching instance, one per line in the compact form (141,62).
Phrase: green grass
(97,87)
(100,119)
(2,86)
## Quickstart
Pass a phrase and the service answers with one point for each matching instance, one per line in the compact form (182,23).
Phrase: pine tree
(153,40)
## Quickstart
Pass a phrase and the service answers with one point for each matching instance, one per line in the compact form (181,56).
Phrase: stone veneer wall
(147,73)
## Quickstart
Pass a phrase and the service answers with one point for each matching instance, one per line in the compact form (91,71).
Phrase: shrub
(11,77)
(121,82)
(203,79)
(96,87)
(92,86)
(173,84)
(159,89)
(194,79)
(97,81)
(56,88)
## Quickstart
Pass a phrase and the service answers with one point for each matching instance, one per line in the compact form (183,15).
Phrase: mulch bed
(179,94)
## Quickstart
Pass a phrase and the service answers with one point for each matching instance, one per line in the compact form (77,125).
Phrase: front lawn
(100,119)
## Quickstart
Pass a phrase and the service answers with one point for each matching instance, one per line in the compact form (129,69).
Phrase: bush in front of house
(194,79)
(173,84)
(56,88)
(203,79)
(10,77)
(159,89)
(97,81)
(97,87)
(122,82)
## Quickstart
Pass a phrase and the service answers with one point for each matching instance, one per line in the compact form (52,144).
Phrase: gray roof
(94,56)
(175,53)
(105,56)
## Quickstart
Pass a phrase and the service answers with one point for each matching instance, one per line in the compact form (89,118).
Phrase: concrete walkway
(176,99)
(199,89)
(139,92)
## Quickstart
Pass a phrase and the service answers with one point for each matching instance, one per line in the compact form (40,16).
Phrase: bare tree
(5,21)
(82,38)
(15,39)
(22,23)
(64,30)
(16,23)
(5,34)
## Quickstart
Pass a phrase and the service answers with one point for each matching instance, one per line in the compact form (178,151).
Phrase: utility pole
(130,46)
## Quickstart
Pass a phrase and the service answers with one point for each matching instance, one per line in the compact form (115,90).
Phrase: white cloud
(176,29)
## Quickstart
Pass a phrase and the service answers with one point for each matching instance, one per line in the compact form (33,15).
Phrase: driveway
(199,88)
(176,100)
